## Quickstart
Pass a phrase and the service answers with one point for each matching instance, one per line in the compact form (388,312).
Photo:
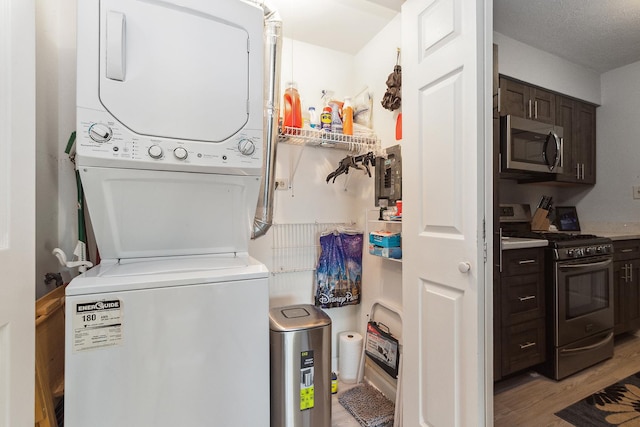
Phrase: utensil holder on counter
(540,220)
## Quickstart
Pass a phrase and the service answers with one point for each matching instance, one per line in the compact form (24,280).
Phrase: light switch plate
(636,191)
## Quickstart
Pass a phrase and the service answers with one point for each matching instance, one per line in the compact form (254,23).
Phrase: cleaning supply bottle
(314,122)
(347,117)
(336,121)
(325,119)
(292,107)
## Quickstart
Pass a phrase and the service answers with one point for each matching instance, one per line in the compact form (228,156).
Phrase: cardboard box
(386,239)
(392,252)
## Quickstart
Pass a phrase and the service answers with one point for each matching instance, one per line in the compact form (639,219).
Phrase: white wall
(310,199)
(55,116)
(543,69)
(618,152)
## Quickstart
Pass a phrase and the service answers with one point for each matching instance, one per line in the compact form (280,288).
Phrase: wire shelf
(319,138)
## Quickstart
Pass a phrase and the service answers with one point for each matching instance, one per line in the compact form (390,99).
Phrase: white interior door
(17,211)
(445,95)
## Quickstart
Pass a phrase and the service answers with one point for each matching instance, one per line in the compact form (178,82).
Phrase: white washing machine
(172,328)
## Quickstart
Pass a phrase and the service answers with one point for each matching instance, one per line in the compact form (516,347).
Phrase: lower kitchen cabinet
(522,310)
(626,285)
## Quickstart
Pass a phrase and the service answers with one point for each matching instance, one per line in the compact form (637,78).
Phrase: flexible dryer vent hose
(272,55)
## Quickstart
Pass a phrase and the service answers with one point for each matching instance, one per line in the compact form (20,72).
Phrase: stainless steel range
(579,284)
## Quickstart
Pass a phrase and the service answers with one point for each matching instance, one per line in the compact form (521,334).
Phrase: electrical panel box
(389,177)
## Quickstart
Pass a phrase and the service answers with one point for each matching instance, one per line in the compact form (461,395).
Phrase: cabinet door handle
(535,109)
(624,251)
(624,277)
(529,108)
(500,249)
(577,170)
(527,261)
(631,272)
(527,298)
(527,345)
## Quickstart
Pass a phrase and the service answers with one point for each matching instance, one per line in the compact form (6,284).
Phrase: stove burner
(568,245)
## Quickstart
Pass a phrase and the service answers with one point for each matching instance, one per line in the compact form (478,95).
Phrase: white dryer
(172,327)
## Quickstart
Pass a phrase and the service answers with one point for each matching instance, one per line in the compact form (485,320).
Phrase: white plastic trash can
(300,341)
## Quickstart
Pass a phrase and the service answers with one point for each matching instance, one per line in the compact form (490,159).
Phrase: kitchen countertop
(613,230)
(521,243)
(617,235)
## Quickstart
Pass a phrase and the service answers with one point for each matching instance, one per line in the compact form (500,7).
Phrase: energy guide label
(97,324)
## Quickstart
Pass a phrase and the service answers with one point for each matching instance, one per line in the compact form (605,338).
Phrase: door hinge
(484,239)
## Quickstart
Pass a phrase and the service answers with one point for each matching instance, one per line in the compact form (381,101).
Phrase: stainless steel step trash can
(300,341)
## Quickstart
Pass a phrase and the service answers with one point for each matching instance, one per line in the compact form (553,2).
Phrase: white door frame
(17,212)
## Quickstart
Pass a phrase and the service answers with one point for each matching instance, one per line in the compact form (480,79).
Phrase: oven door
(584,298)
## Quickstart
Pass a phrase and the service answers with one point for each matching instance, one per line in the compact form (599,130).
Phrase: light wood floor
(532,399)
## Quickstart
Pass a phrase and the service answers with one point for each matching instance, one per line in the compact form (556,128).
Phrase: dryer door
(181,72)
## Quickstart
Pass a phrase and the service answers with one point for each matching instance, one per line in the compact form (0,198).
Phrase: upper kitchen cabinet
(578,120)
(526,101)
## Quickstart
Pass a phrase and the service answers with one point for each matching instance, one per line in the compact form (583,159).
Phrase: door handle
(464,267)
(529,108)
(115,49)
(535,108)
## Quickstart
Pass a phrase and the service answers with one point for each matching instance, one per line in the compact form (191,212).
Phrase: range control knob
(570,253)
(589,251)
(155,151)
(180,153)
(100,132)
(600,249)
(246,147)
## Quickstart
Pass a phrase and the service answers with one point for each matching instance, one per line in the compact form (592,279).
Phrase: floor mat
(368,406)
(616,405)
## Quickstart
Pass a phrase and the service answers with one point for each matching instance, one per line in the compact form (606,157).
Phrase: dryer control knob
(155,151)
(246,147)
(100,132)
(180,153)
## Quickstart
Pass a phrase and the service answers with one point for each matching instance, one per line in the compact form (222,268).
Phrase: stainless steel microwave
(530,146)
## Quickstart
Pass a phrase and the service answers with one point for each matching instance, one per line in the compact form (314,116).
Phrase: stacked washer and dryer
(172,327)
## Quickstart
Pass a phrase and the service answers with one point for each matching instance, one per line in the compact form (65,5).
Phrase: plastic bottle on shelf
(325,119)
(347,117)
(336,121)
(306,119)
(292,107)
(314,122)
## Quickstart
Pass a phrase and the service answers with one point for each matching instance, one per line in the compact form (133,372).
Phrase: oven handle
(591,264)
(608,338)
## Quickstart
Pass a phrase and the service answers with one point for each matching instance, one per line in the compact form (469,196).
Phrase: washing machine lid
(185,70)
(145,213)
(131,275)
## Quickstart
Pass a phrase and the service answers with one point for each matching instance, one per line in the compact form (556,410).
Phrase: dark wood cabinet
(626,285)
(522,310)
(577,118)
(526,101)
(578,121)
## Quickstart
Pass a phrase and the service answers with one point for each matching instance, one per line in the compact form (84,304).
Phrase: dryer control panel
(102,141)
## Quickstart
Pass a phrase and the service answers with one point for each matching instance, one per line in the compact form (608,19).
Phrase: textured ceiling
(598,34)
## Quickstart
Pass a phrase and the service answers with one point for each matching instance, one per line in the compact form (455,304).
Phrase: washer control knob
(180,153)
(247,147)
(100,132)
(155,151)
